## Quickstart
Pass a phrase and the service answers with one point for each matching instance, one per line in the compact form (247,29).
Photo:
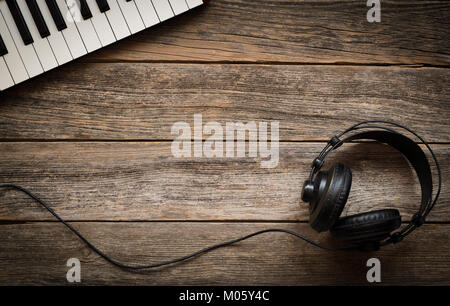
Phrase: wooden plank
(143,101)
(327,31)
(36,254)
(143,181)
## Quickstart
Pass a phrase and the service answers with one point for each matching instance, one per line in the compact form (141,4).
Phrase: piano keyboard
(39,35)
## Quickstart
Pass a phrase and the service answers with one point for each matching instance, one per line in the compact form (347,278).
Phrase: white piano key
(132,16)
(101,24)
(148,12)
(117,21)
(85,27)
(27,53)
(56,39)
(71,35)
(41,45)
(12,59)
(163,9)
(194,3)
(5,77)
(178,6)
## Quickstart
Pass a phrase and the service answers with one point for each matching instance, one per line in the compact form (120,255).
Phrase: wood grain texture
(37,254)
(327,31)
(93,138)
(143,181)
(143,101)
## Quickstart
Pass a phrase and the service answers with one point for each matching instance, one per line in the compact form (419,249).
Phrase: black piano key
(56,14)
(20,22)
(103,5)
(3,50)
(85,11)
(38,18)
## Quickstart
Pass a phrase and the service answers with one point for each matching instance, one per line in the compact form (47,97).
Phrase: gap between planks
(269,63)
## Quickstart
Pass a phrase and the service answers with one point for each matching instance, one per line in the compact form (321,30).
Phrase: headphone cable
(172,261)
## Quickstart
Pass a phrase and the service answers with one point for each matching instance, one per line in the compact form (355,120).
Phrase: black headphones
(327,193)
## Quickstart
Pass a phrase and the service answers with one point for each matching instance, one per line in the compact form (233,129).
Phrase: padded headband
(411,151)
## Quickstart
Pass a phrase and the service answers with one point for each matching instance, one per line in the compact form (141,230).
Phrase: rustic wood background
(93,138)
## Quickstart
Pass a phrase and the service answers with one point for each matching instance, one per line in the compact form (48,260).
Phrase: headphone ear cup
(367,227)
(332,189)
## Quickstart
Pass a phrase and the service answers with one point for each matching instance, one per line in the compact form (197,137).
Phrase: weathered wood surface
(327,31)
(93,138)
(143,181)
(37,254)
(143,101)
